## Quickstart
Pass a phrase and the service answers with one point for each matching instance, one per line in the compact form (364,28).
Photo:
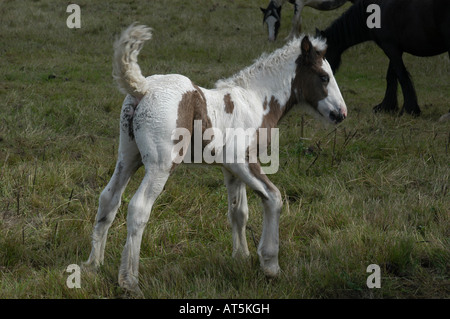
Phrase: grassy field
(375,190)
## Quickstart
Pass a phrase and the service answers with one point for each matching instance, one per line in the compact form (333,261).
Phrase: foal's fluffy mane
(270,63)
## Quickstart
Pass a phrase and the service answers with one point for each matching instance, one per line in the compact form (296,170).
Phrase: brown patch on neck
(276,112)
(270,120)
(229,104)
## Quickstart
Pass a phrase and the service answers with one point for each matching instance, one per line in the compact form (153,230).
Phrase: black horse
(418,27)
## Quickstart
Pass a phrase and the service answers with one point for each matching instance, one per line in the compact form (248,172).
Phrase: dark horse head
(349,29)
(272,17)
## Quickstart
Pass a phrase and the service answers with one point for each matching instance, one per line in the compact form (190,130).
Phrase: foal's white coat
(149,116)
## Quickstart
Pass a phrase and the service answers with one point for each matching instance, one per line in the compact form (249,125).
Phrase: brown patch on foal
(270,120)
(192,107)
(229,104)
(307,83)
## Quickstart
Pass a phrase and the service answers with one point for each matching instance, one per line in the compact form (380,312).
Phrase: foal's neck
(278,98)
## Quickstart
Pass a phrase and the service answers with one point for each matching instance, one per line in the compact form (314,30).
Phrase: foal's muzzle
(337,117)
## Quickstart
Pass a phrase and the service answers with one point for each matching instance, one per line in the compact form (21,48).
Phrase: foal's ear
(305,46)
(263,10)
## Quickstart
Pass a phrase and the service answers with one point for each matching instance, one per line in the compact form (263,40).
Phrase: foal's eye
(324,78)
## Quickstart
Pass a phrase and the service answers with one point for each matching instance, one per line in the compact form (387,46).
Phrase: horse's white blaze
(334,102)
(271,27)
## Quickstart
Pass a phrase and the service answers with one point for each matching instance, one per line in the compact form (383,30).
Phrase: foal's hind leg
(237,212)
(139,210)
(270,196)
(129,160)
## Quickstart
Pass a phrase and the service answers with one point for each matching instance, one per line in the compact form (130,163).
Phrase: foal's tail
(126,70)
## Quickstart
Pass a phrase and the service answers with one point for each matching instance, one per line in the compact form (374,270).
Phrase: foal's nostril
(343,111)
(336,117)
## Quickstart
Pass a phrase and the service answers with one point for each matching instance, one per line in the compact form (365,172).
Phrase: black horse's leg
(409,93)
(389,103)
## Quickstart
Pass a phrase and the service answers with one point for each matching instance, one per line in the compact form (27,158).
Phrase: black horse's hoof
(414,112)
(382,107)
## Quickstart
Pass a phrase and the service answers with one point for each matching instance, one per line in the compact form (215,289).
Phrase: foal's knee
(108,203)
(137,215)
(238,214)
(275,200)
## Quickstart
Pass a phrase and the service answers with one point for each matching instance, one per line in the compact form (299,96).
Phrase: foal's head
(315,84)
(272,18)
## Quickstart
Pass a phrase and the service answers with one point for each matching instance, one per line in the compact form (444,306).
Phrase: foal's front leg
(270,196)
(237,213)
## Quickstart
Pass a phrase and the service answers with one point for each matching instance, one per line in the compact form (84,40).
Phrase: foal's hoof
(134,293)
(271,271)
(131,290)
(89,267)
(130,285)
(241,254)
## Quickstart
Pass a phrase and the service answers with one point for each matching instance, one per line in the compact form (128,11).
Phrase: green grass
(373,191)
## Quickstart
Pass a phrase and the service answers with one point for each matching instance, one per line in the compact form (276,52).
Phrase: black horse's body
(417,27)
